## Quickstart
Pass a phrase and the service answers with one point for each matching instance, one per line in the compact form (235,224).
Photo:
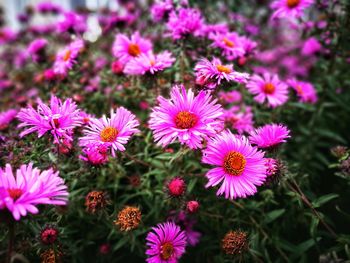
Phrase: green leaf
(323,199)
(273,215)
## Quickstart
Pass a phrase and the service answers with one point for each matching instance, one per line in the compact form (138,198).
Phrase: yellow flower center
(15,193)
(293,3)
(109,134)
(152,62)
(223,69)
(228,42)
(134,50)
(167,250)
(66,55)
(269,88)
(234,163)
(185,120)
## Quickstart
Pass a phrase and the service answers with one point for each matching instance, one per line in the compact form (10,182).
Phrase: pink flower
(66,58)
(269,135)
(125,49)
(231,44)
(59,119)
(149,63)
(271,166)
(160,9)
(212,73)
(72,22)
(46,7)
(6,117)
(289,8)
(30,187)
(311,46)
(239,119)
(305,90)
(111,132)
(240,167)
(95,154)
(269,88)
(184,22)
(7,35)
(230,96)
(166,243)
(185,117)
(36,49)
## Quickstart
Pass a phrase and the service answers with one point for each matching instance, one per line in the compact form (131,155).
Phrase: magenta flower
(311,46)
(46,7)
(212,73)
(271,166)
(72,22)
(230,96)
(160,9)
(231,44)
(36,49)
(30,187)
(66,58)
(149,63)
(305,90)
(269,88)
(239,119)
(95,154)
(6,117)
(59,119)
(289,8)
(269,135)
(184,22)
(111,132)
(125,49)
(240,166)
(185,117)
(166,244)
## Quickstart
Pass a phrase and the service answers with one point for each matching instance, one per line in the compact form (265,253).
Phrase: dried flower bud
(235,242)
(51,256)
(339,151)
(128,218)
(95,201)
(49,235)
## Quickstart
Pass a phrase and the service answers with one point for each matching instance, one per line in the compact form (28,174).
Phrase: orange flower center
(152,62)
(292,3)
(223,69)
(228,42)
(66,55)
(299,90)
(269,88)
(56,123)
(109,134)
(134,50)
(167,250)
(15,193)
(185,120)
(234,163)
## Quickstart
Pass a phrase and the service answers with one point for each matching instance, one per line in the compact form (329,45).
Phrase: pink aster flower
(269,135)
(66,58)
(6,117)
(111,132)
(36,49)
(212,73)
(30,187)
(271,166)
(305,90)
(185,117)
(95,154)
(289,8)
(160,9)
(269,88)
(72,22)
(240,167)
(125,48)
(149,63)
(231,44)
(184,22)
(230,96)
(310,47)
(166,243)
(239,119)
(58,118)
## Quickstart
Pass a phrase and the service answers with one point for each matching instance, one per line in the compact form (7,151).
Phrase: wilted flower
(235,242)
(51,255)
(95,201)
(49,235)
(128,218)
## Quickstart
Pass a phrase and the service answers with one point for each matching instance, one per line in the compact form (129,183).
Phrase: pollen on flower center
(228,42)
(269,88)
(109,134)
(134,50)
(15,193)
(223,69)
(56,123)
(299,90)
(66,55)
(185,120)
(167,250)
(292,3)
(234,163)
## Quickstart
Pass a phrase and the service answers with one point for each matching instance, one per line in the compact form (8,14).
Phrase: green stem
(11,241)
